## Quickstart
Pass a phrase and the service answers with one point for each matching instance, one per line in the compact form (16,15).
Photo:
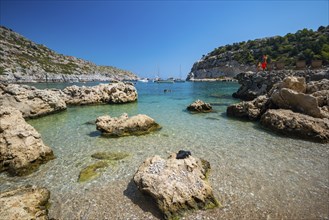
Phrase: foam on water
(255,173)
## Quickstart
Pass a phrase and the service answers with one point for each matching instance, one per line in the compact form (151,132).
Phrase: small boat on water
(179,80)
(145,80)
(169,80)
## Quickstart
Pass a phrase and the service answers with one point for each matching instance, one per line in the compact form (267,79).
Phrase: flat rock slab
(21,147)
(24,203)
(125,126)
(177,185)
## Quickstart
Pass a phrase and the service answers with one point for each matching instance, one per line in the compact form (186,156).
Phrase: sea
(255,173)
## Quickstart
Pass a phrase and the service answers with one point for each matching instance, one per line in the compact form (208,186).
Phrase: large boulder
(21,147)
(298,102)
(30,101)
(290,94)
(199,106)
(118,92)
(252,110)
(124,126)
(297,84)
(176,185)
(28,202)
(300,125)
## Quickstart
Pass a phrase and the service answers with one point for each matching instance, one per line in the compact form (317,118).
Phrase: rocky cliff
(22,60)
(229,60)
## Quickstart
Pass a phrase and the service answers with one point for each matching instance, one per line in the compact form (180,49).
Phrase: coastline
(59,78)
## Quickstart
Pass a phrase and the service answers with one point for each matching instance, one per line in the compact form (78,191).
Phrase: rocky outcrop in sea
(21,147)
(29,202)
(177,185)
(199,106)
(125,126)
(118,92)
(291,106)
(33,102)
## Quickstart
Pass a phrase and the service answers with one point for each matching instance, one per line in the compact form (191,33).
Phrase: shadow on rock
(145,202)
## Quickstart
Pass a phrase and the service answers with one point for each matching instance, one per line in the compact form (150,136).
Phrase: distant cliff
(22,60)
(229,60)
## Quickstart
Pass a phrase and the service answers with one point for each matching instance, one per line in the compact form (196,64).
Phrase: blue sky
(142,35)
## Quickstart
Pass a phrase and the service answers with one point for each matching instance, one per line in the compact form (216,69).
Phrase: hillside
(232,59)
(24,60)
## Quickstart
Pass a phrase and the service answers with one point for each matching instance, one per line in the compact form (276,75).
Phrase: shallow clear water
(255,173)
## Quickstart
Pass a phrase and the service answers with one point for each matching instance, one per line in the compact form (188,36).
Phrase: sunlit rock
(125,126)
(21,147)
(177,185)
(28,202)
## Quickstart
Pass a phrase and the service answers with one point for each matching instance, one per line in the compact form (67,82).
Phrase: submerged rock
(21,148)
(28,202)
(300,125)
(118,92)
(110,155)
(177,185)
(124,126)
(106,159)
(30,101)
(92,171)
(199,106)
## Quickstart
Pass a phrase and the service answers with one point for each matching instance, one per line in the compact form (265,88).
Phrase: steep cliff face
(218,66)
(25,61)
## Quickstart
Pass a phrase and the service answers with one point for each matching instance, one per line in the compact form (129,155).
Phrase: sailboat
(180,80)
(159,80)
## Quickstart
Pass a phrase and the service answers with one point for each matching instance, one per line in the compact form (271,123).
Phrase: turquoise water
(255,173)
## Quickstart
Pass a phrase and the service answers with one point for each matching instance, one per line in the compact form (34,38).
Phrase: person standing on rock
(264,63)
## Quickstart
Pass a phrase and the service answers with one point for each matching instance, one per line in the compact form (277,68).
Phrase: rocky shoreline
(44,77)
(22,150)
(291,103)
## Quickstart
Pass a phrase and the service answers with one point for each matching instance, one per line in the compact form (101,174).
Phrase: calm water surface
(255,174)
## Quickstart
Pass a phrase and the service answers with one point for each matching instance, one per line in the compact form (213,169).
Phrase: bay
(255,173)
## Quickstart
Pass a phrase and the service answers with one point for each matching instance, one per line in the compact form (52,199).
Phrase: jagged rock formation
(177,185)
(291,94)
(21,148)
(30,101)
(251,110)
(125,126)
(254,84)
(103,93)
(22,60)
(308,106)
(199,106)
(27,202)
